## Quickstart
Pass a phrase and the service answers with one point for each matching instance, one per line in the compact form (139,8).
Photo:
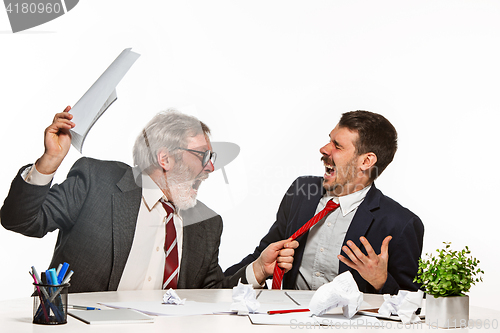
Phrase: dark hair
(375,134)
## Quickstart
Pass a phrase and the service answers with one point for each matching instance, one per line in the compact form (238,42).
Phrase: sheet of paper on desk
(300,297)
(190,308)
(303,298)
(115,316)
(275,297)
(304,319)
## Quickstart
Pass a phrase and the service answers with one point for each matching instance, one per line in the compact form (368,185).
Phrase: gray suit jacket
(95,210)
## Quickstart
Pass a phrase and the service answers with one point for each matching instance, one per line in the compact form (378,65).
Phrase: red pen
(287,311)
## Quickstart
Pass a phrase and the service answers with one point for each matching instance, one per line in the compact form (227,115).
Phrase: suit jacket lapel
(126,204)
(307,208)
(361,221)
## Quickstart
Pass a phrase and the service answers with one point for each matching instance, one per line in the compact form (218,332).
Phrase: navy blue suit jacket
(376,217)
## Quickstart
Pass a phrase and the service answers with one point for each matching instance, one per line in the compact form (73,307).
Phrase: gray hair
(167,130)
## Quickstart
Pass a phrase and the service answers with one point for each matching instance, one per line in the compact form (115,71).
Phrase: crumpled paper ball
(244,299)
(404,305)
(342,291)
(171,297)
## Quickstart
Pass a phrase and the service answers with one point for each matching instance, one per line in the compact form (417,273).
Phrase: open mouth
(197,183)
(329,170)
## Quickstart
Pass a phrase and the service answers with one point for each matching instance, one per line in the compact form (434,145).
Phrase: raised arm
(57,141)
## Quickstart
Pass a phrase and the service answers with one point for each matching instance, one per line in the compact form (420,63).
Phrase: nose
(209,167)
(326,149)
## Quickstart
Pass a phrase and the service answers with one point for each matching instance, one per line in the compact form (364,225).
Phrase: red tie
(278,271)
(171,272)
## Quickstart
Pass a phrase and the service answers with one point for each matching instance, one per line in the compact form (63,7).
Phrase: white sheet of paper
(275,297)
(303,297)
(304,320)
(283,319)
(99,97)
(190,308)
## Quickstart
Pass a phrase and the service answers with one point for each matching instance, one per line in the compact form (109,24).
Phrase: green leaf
(450,273)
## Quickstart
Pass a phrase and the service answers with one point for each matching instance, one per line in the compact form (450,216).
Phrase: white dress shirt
(320,264)
(149,240)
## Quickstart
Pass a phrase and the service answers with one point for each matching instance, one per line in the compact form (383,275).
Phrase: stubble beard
(346,177)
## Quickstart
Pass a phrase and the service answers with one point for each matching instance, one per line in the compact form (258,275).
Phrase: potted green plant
(446,278)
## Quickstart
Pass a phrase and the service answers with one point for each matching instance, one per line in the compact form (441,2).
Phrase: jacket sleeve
(403,259)
(214,278)
(36,210)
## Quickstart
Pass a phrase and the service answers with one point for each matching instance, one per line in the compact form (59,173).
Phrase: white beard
(182,196)
(180,184)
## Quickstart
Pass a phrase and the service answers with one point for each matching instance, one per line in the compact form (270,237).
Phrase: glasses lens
(209,156)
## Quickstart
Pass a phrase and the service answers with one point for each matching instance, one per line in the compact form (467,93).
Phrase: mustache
(325,160)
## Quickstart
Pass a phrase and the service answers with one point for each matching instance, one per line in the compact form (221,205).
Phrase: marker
(41,298)
(37,279)
(66,280)
(62,272)
(81,307)
(287,311)
(53,276)
(36,275)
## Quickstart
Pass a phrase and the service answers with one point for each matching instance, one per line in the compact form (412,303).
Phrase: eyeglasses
(207,155)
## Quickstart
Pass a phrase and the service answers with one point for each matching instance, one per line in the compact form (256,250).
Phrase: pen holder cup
(50,304)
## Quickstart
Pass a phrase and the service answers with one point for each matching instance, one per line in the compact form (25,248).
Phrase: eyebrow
(335,142)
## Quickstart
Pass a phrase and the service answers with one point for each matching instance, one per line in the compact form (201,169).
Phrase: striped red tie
(171,272)
(278,271)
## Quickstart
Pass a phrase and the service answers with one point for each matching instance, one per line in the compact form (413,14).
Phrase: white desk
(16,316)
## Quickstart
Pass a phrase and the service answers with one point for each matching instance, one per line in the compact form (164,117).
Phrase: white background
(274,78)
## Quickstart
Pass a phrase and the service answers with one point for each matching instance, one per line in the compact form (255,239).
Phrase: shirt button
(318,274)
(322,249)
(149,279)
(157,248)
(329,224)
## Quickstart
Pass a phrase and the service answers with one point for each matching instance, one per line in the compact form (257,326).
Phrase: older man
(123,228)
(361,219)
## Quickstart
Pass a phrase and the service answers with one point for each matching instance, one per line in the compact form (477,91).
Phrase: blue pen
(62,272)
(80,307)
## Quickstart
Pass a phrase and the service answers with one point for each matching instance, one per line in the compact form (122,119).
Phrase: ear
(165,160)
(368,161)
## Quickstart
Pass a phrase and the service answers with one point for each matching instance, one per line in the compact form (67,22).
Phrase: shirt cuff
(251,277)
(33,177)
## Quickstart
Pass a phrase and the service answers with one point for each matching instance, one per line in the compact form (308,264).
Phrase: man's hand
(373,267)
(57,142)
(280,252)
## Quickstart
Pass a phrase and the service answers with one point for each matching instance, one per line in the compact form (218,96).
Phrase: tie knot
(168,206)
(331,205)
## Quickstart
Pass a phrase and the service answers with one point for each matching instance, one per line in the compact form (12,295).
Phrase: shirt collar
(350,202)
(150,192)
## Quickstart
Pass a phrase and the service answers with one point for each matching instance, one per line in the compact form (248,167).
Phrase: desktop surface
(16,316)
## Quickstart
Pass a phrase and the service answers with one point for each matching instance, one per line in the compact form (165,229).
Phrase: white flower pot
(447,312)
